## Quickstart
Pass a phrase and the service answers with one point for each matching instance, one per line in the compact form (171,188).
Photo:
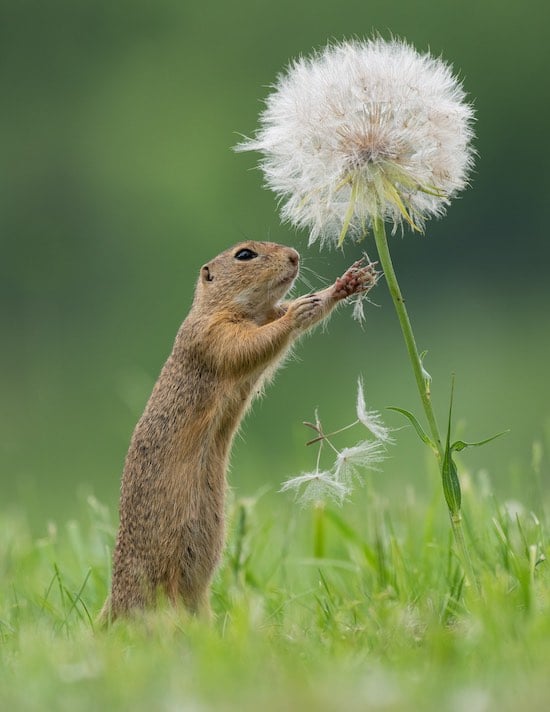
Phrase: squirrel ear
(205,274)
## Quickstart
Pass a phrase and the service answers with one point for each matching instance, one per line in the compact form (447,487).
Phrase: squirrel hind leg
(195,598)
(131,592)
(200,606)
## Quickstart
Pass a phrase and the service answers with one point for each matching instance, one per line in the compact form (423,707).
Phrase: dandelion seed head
(313,487)
(362,131)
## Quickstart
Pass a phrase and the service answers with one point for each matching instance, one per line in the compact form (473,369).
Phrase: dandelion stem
(399,304)
(456,526)
(421,381)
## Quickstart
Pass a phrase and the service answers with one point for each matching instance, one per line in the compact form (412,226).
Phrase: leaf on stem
(449,473)
(416,425)
(451,483)
(425,375)
(459,445)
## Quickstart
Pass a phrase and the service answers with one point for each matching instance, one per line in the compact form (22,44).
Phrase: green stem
(399,304)
(456,525)
(421,382)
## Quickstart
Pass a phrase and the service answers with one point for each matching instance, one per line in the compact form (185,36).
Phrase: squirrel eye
(245,254)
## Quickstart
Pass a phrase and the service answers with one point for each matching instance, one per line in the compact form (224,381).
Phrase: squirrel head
(250,277)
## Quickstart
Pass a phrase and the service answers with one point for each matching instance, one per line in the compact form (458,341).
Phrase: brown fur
(171,530)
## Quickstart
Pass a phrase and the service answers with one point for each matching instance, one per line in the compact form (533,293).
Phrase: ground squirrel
(171,529)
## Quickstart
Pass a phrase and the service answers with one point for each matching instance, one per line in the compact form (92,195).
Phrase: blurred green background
(118,181)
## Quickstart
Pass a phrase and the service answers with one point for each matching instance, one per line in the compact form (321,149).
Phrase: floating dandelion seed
(371,419)
(364,131)
(316,486)
(351,460)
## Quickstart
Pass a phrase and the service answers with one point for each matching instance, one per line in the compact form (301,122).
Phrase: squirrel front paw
(305,311)
(359,278)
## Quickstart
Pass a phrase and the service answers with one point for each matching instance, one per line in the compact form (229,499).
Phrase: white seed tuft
(351,460)
(371,419)
(316,486)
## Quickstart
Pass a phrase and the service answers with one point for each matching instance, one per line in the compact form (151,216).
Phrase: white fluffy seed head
(362,131)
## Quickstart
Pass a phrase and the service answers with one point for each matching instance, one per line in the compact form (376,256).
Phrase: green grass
(381,622)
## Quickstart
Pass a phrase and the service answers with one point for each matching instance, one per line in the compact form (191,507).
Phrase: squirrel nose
(293,257)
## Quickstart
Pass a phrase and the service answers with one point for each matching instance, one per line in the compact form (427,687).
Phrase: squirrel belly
(171,531)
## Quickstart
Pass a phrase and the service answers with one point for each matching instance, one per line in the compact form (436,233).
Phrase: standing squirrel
(171,531)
